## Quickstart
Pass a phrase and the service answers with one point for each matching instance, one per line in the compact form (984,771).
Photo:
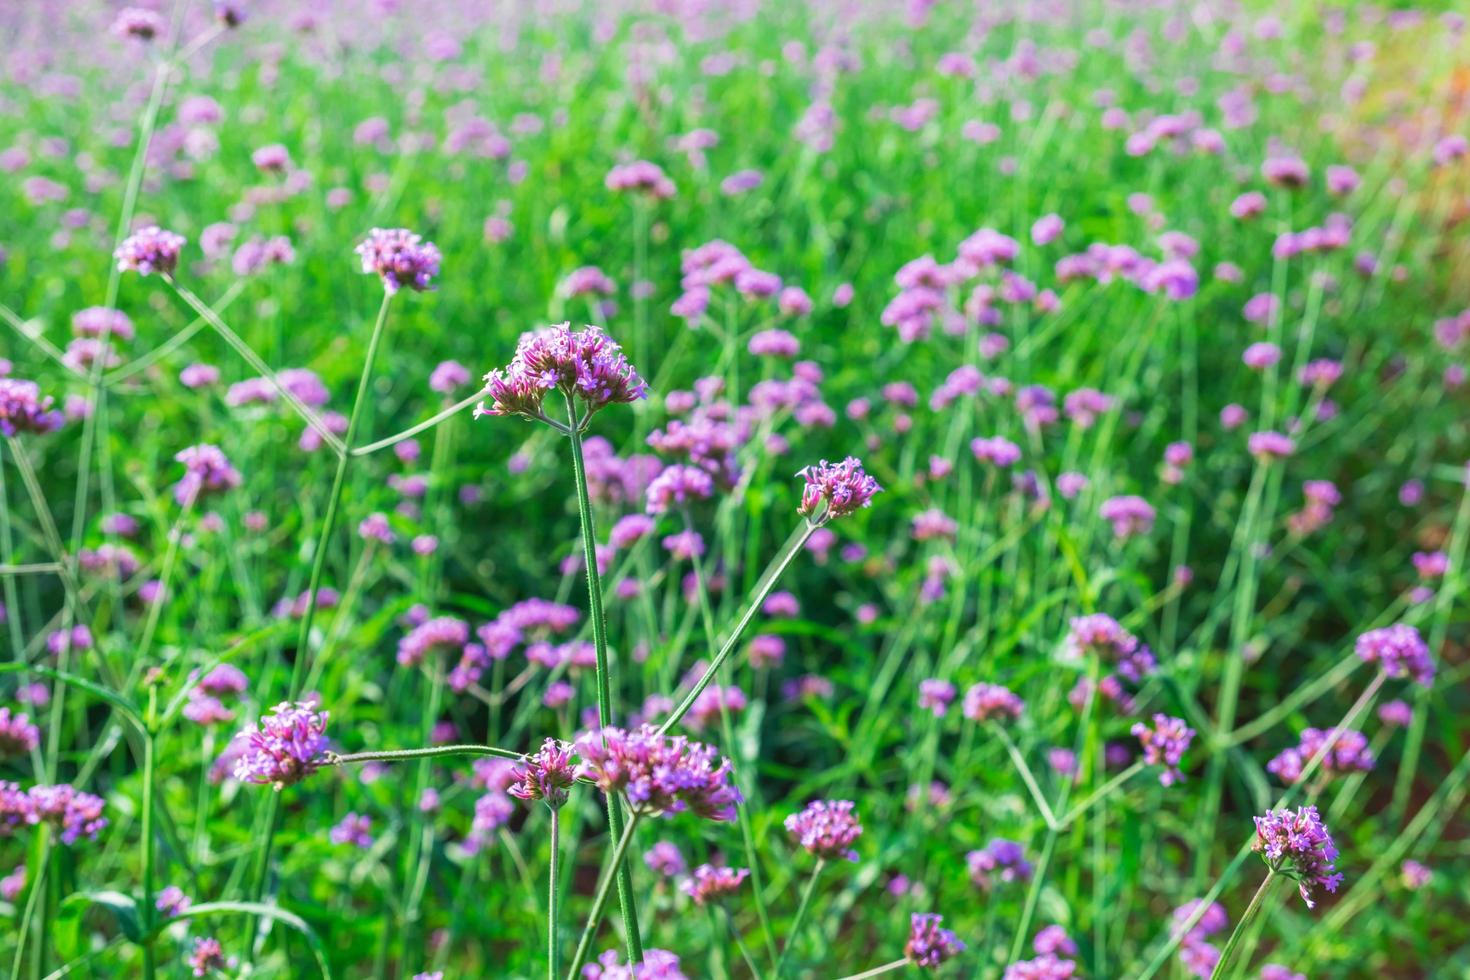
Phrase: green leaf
(123,908)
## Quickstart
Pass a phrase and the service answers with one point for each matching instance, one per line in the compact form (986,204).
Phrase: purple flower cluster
(929,945)
(400,258)
(1130,515)
(658,964)
(584,364)
(1297,844)
(659,773)
(641,176)
(1198,955)
(826,829)
(439,633)
(1101,634)
(207,957)
(150,250)
(289,745)
(1349,753)
(355,829)
(24,409)
(710,882)
(545,775)
(1399,651)
(998,863)
(842,487)
(206,471)
(1164,745)
(991,702)
(17,735)
(71,812)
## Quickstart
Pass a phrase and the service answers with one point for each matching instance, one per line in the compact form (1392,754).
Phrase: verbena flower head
(17,735)
(206,471)
(1297,845)
(826,829)
(172,901)
(138,23)
(928,944)
(1164,745)
(102,321)
(842,487)
(1399,651)
(1349,753)
(710,882)
(991,702)
(73,813)
(24,409)
(584,364)
(355,829)
(400,258)
(545,775)
(149,250)
(999,862)
(658,964)
(1128,514)
(207,957)
(659,773)
(289,745)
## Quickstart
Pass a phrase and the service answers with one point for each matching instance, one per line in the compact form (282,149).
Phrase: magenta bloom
(1298,845)
(678,486)
(642,177)
(24,409)
(206,471)
(659,773)
(928,944)
(1267,445)
(1129,515)
(1350,753)
(74,813)
(17,735)
(289,745)
(207,957)
(843,487)
(102,321)
(991,702)
(1399,651)
(996,450)
(584,364)
(1164,745)
(149,250)
(826,830)
(999,862)
(936,695)
(355,829)
(400,258)
(545,775)
(710,882)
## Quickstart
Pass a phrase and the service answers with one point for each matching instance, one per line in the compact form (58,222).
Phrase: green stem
(806,899)
(553,948)
(878,971)
(433,752)
(1100,793)
(1251,910)
(427,423)
(1026,776)
(599,902)
(621,872)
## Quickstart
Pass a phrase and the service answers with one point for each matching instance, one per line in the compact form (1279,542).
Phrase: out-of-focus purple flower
(936,696)
(642,177)
(18,736)
(400,258)
(1000,862)
(1399,651)
(664,858)
(658,964)
(207,956)
(709,883)
(659,773)
(843,487)
(149,250)
(1349,753)
(1129,514)
(448,376)
(1268,445)
(138,23)
(928,944)
(289,745)
(1396,713)
(206,471)
(1297,843)
(172,901)
(354,829)
(826,829)
(24,409)
(991,702)
(1164,745)
(1414,875)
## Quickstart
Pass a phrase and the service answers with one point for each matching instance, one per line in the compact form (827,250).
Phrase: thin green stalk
(1251,910)
(146,911)
(427,423)
(599,901)
(1027,777)
(795,933)
(763,588)
(432,752)
(1102,792)
(553,894)
(622,873)
(878,971)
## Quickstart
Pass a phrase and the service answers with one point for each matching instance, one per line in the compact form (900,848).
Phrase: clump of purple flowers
(843,487)
(17,735)
(991,702)
(1296,844)
(73,813)
(1129,515)
(826,829)
(545,775)
(710,882)
(583,364)
(1164,745)
(999,862)
(1350,753)
(206,471)
(929,945)
(150,250)
(1399,651)
(24,409)
(659,773)
(400,258)
(289,745)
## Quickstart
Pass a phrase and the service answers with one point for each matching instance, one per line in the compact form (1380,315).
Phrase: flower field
(673,489)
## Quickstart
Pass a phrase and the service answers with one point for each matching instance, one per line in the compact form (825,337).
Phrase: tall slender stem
(1251,910)
(878,971)
(806,899)
(553,948)
(147,910)
(620,871)
(599,901)
(433,752)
